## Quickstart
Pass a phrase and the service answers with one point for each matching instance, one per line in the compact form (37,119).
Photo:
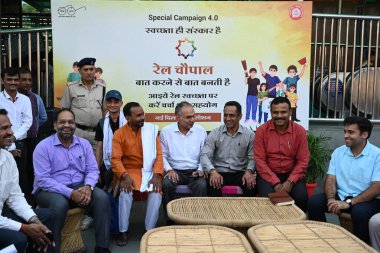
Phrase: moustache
(276,118)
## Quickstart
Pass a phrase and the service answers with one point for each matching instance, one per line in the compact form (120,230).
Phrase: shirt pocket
(365,176)
(194,152)
(81,102)
(80,162)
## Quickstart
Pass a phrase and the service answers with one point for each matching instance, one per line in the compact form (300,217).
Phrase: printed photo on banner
(159,53)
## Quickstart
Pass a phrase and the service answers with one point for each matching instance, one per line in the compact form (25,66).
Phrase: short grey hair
(180,105)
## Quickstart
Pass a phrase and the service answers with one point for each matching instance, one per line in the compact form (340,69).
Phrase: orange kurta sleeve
(158,166)
(117,153)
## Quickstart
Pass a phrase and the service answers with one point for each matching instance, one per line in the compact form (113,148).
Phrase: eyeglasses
(64,122)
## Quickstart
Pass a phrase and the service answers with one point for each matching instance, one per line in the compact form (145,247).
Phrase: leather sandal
(122,239)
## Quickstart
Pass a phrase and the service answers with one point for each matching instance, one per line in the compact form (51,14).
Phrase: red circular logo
(296,12)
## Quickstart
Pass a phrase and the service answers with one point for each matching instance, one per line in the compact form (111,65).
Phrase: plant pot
(310,188)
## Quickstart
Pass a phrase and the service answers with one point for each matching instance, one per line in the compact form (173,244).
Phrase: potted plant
(320,153)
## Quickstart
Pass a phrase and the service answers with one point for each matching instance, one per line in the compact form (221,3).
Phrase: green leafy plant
(320,153)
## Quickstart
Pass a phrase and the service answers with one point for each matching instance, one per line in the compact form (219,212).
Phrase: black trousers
(24,170)
(19,239)
(197,185)
(360,214)
(231,179)
(298,193)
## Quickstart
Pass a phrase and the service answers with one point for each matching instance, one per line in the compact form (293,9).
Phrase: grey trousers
(374,231)
(99,206)
(152,210)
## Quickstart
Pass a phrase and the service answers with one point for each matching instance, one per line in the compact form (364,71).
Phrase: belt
(85,128)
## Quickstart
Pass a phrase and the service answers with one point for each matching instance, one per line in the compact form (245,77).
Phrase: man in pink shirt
(282,154)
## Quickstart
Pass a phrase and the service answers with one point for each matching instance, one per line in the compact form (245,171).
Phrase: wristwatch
(349,201)
(91,187)
(291,181)
(33,219)
(249,170)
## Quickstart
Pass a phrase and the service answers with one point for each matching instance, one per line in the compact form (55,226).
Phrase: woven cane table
(234,212)
(304,236)
(194,239)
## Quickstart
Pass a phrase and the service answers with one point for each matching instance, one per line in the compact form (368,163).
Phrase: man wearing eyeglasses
(66,172)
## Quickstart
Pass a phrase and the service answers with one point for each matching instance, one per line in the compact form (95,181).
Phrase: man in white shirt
(20,114)
(182,143)
(18,222)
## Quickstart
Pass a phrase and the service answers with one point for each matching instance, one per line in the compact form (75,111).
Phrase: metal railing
(30,47)
(345,69)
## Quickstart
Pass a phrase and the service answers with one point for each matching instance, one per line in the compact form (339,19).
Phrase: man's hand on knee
(249,179)
(38,233)
(287,186)
(172,175)
(77,197)
(216,180)
(127,184)
(336,206)
(277,187)
(156,181)
(86,193)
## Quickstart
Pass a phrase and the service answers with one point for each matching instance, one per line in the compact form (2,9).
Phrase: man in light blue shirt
(182,143)
(353,179)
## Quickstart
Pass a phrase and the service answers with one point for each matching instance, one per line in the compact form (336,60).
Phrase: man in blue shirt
(353,179)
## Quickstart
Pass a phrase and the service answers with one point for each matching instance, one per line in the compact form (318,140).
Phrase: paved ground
(137,228)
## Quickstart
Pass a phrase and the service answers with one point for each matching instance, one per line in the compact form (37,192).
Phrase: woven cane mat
(230,211)
(304,236)
(194,239)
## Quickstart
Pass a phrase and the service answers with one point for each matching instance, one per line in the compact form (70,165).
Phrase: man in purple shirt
(66,172)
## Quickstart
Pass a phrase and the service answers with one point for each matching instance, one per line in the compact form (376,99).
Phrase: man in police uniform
(86,99)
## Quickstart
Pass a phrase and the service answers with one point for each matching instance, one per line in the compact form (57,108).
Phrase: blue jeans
(360,214)
(251,105)
(261,114)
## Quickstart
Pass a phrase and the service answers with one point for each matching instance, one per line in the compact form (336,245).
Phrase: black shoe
(101,250)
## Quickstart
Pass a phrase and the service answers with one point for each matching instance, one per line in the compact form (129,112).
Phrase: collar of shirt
(365,151)
(176,129)
(240,130)
(6,95)
(29,93)
(57,142)
(129,128)
(94,84)
(289,130)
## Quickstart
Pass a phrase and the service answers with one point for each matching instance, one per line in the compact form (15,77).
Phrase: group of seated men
(135,157)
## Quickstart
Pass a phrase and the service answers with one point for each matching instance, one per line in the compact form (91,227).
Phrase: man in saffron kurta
(134,170)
